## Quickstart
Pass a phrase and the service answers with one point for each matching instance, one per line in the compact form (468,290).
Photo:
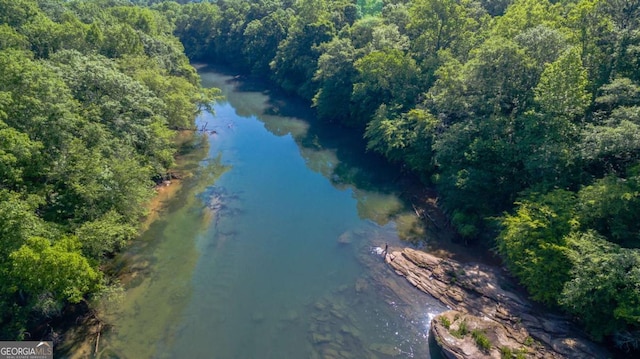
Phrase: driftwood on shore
(508,321)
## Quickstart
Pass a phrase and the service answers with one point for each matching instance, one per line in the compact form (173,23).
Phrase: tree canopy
(89,94)
(523,113)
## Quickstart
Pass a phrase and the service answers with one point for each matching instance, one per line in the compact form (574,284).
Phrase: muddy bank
(482,308)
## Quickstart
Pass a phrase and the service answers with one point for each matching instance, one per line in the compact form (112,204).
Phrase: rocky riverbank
(485,320)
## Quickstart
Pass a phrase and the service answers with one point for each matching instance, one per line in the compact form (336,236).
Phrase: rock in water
(345,238)
(509,322)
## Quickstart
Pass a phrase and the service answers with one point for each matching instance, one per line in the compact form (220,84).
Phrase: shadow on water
(338,153)
(373,171)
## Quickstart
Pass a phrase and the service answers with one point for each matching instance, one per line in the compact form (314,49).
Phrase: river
(269,250)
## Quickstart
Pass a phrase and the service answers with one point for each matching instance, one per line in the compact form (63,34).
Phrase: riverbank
(81,326)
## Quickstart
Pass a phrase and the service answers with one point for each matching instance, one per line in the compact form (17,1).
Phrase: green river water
(268,251)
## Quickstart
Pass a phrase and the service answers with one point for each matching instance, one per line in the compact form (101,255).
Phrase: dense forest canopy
(89,93)
(525,114)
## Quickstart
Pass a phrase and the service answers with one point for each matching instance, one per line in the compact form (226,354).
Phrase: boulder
(507,320)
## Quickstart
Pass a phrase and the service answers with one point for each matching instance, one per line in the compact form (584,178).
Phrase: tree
(10,38)
(126,107)
(612,146)
(562,89)
(15,13)
(369,7)
(361,32)
(534,246)
(18,153)
(105,235)
(500,78)
(197,26)
(120,40)
(81,137)
(335,76)
(591,31)
(604,290)
(40,267)
(441,24)
(18,222)
(296,59)
(525,14)
(621,92)
(406,137)
(609,206)
(388,37)
(384,77)
(261,38)
(542,44)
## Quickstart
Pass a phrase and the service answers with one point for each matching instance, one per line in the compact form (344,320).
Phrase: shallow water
(268,252)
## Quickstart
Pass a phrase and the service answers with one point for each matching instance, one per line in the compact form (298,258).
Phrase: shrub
(445,322)
(481,340)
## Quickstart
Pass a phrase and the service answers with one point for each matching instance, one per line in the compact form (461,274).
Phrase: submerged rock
(345,238)
(507,321)
(321,338)
(386,349)
(361,285)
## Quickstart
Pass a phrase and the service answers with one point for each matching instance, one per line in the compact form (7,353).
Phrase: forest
(89,95)
(523,114)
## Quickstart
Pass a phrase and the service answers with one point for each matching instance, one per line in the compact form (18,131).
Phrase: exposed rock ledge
(504,321)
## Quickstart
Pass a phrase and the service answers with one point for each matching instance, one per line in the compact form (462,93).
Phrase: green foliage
(500,79)
(384,77)
(562,89)
(197,26)
(445,322)
(105,235)
(406,137)
(295,62)
(88,92)
(621,92)
(481,340)
(525,108)
(529,341)
(542,44)
(261,39)
(10,38)
(17,153)
(462,330)
(59,269)
(369,7)
(15,13)
(533,243)
(335,76)
(526,14)
(442,24)
(610,206)
(506,352)
(604,291)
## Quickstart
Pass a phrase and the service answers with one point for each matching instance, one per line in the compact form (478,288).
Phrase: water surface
(268,251)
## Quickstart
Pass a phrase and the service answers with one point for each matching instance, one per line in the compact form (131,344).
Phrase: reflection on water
(274,257)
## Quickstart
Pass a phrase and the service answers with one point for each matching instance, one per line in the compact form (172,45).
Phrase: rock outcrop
(487,320)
